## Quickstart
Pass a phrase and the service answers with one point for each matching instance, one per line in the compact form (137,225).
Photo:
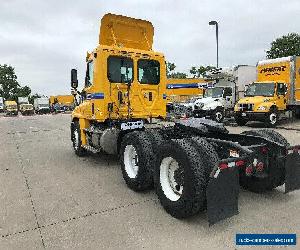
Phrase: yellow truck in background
(11,108)
(274,95)
(181,94)
(62,103)
(180,90)
(24,106)
(26,109)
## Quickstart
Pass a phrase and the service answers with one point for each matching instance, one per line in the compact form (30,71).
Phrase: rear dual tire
(183,172)
(137,160)
(180,169)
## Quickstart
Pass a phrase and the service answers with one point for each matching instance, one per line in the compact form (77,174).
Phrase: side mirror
(74,81)
(285,90)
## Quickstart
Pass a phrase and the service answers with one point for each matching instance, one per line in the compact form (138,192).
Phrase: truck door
(120,76)
(228,98)
(146,91)
(281,92)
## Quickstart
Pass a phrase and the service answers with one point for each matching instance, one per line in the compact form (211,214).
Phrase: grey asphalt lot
(50,198)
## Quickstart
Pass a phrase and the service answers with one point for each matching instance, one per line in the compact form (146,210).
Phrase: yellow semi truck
(274,95)
(194,164)
(11,108)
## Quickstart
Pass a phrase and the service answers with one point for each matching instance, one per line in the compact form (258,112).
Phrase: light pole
(217,37)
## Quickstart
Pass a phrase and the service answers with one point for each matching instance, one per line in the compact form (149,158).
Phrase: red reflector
(240,163)
(249,170)
(223,166)
(260,166)
(264,150)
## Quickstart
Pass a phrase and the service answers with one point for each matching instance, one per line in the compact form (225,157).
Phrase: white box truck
(23,100)
(219,101)
(41,105)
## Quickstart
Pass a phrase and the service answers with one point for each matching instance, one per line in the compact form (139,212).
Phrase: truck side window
(120,69)
(89,74)
(281,89)
(227,92)
(148,71)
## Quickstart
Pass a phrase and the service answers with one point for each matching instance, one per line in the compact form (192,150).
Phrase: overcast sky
(43,40)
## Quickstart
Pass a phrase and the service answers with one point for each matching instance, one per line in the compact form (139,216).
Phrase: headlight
(262,108)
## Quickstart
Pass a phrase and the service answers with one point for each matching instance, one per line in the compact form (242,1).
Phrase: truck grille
(246,107)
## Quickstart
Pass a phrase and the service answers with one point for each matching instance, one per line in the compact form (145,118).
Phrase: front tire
(219,115)
(272,118)
(76,139)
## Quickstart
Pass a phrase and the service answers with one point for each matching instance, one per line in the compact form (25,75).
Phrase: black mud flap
(222,195)
(292,172)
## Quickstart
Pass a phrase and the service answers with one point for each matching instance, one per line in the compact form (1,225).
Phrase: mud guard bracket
(292,171)
(222,195)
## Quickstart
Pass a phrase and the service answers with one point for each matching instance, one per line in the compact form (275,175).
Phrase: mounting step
(91,149)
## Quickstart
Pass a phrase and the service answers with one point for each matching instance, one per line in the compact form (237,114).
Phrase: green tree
(10,89)
(171,71)
(178,75)
(287,45)
(193,71)
(170,67)
(8,82)
(202,71)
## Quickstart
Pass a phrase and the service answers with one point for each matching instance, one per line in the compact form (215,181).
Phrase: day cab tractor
(194,164)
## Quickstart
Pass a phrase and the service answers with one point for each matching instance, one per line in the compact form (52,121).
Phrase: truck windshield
(261,89)
(214,92)
(148,71)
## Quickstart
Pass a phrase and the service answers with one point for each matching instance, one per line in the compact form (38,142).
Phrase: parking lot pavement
(50,198)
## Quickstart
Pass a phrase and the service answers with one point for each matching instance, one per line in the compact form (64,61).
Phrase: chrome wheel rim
(131,161)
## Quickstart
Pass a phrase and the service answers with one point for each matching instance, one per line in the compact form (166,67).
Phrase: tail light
(249,170)
(238,163)
(260,167)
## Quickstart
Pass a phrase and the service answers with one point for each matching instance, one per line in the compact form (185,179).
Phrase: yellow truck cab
(125,79)
(11,108)
(275,94)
